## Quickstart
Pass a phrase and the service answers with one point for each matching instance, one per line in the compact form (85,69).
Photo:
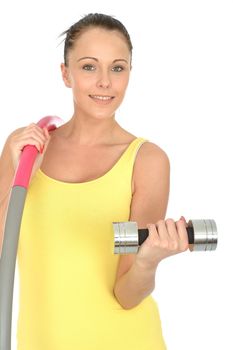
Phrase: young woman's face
(98,71)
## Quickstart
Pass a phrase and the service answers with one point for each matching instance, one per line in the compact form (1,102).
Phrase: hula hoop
(12,230)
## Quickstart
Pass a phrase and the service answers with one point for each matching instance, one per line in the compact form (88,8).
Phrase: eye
(118,68)
(88,67)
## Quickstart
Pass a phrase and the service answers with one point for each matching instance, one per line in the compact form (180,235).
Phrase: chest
(82,164)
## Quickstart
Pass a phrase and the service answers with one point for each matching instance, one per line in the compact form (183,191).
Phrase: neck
(86,131)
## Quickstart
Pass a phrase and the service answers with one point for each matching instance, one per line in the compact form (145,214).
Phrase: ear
(65,75)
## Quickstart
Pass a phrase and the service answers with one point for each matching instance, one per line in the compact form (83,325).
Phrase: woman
(74,292)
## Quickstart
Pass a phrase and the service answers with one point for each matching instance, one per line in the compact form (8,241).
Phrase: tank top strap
(66,252)
(130,154)
(123,169)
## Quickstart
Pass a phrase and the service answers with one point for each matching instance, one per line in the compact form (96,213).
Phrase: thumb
(48,138)
(46,132)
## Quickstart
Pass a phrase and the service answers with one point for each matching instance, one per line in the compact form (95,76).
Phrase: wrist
(145,265)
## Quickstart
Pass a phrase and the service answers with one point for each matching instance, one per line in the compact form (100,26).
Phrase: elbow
(125,306)
(130,302)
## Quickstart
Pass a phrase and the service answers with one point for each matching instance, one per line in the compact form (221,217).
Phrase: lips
(102,97)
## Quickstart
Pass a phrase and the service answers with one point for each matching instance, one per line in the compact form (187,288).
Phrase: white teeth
(101,97)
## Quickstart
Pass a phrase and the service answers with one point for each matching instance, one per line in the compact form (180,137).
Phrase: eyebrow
(96,59)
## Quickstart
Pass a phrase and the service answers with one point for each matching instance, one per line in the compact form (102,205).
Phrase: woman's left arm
(136,272)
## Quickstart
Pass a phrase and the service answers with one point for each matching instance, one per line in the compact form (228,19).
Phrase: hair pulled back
(93,20)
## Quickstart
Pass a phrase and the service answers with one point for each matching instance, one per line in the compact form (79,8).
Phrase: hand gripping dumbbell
(202,236)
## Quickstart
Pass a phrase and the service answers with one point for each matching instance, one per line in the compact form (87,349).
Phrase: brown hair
(89,21)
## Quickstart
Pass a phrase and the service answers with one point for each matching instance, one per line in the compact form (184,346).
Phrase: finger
(183,218)
(46,144)
(31,139)
(36,133)
(162,233)
(173,235)
(182,233)
(46,132)
(20,144)
(153,233)
(171,229)
(34,127)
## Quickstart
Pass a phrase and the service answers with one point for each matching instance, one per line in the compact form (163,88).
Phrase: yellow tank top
(67,266)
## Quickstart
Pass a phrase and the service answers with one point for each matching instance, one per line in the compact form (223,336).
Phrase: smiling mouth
(101,97)
(102,100)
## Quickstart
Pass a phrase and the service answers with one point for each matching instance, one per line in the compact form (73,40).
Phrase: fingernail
(41,149)
(182,218)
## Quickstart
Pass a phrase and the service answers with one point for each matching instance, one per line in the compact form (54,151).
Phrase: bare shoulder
(5,149)
(16,131)
(151,187)
(151,159)
(5,155)
(149,151)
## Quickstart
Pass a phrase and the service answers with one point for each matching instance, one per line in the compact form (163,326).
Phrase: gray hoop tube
(11,234)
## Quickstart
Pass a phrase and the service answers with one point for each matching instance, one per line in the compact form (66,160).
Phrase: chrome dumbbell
(202,236)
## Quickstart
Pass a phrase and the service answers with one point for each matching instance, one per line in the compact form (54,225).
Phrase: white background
(179,97)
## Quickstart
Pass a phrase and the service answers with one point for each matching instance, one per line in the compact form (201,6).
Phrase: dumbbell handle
(202,236)
(144,232)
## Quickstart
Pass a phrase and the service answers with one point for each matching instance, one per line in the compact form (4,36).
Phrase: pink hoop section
(29,153)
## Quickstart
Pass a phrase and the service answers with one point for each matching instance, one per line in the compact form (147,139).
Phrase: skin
(92,123)
(93,127)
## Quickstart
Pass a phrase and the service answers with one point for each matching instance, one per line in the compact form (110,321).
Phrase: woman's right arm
(16,141)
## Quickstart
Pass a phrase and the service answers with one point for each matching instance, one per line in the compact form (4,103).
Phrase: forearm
(135,285)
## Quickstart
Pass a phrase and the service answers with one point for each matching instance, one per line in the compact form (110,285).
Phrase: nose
(104,80)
